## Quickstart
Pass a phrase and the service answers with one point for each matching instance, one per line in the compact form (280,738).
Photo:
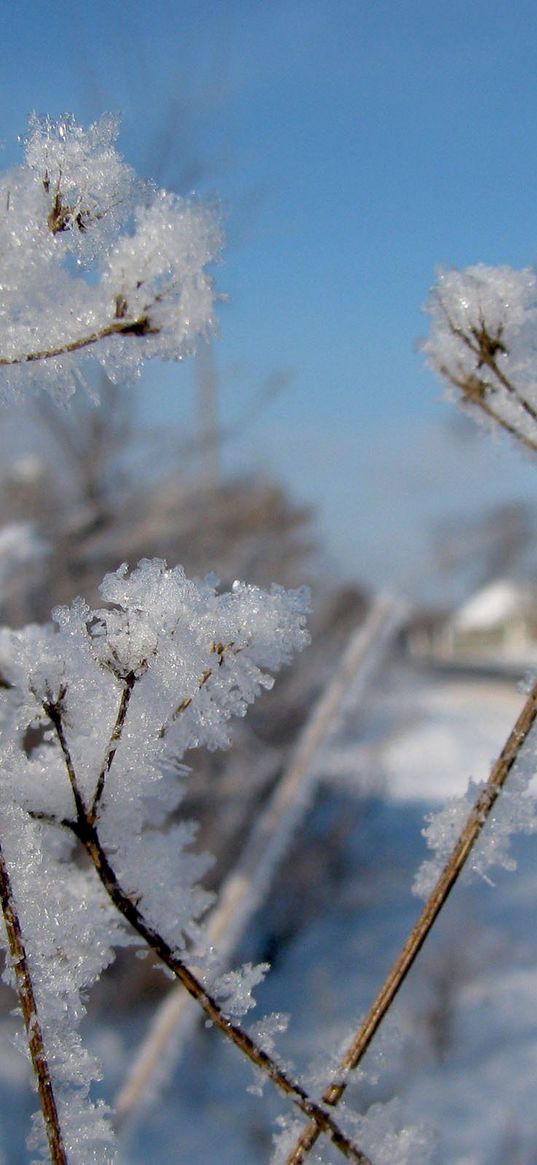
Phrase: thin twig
(249,881)
(475,390)
(219,649)
(485,347)
(86,832)
(467,838)
(322,1119)
(128,682)
(137,327)
(53,709)
(34,1033)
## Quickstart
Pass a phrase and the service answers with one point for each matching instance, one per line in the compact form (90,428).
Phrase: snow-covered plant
(99,707)
(96,265)
(112,698)
(483,343)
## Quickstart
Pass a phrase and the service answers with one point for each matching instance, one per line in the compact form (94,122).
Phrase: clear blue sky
(354,146)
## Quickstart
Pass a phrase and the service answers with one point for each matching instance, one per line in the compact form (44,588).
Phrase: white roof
(493,605)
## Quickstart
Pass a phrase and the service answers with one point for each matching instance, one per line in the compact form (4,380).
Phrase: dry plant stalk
(247,885)
(475,390)
(454,866)
(120,327)
(486,345)
(84,827)
(28,1006)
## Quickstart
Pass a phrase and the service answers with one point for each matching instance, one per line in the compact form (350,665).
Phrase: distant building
(498,622)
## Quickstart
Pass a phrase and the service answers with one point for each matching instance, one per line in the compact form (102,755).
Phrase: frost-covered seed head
(139,287)
(483,324)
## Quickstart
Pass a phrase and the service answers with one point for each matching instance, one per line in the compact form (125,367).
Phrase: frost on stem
(83,710)
(514,813)
(483,343)
(95,263)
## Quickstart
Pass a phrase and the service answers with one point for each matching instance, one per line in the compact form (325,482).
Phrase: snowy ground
(460,1050)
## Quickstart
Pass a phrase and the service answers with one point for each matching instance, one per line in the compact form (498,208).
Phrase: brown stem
(115,737)
(323,1120)
(485,347)
(490,362)
(219,649)
(474,390)
(34,1033)
(138,327)
(85,830)
(53,710)
(467,838)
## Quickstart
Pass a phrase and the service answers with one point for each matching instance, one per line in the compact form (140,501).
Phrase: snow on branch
(483,344)
(126,261)
(97,691)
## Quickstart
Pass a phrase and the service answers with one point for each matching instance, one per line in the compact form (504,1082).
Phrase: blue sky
(353,146)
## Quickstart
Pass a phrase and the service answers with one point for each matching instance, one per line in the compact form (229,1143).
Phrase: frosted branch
(323,1120)
(483,342)
(469,834)
(139,286)
(115,737)
(159,635)
(28,1005)
(85,830)
(219,649)
(53,709)
(248,884)
(138,327)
